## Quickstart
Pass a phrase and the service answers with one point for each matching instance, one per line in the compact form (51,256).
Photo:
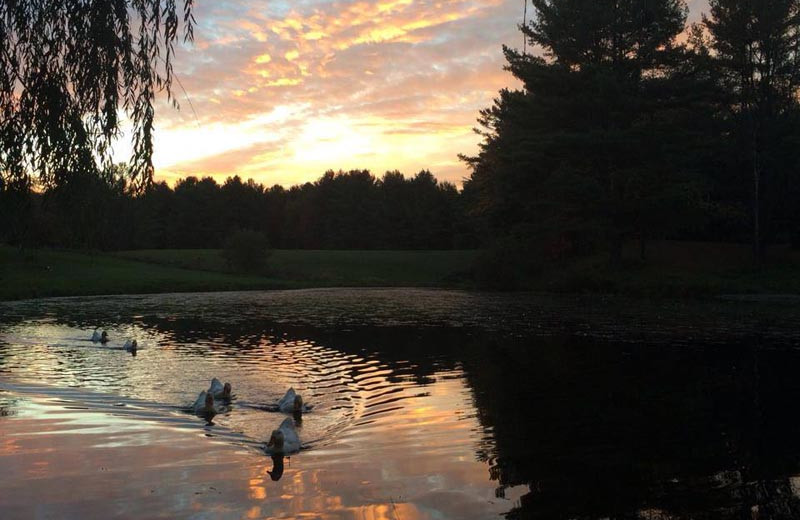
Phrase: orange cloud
(400,81)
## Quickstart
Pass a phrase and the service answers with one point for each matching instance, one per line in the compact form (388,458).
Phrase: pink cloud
(405,76)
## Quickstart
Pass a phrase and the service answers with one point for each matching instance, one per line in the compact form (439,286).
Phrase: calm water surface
(427,404)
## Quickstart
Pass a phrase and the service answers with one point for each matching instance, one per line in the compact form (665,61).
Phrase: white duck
(292,402)
(130,346)
(218,390)
(98,337)
(284,440)
(204,405)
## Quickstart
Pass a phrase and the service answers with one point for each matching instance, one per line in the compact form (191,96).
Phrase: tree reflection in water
(621,430)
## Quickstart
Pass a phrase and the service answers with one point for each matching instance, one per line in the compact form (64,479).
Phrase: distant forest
(630,125)
(341,210)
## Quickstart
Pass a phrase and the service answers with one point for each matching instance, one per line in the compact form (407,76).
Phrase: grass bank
(40,273)
(672,269)
(309,268)
(677,269)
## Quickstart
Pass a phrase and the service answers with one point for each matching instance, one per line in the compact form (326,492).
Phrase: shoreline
(36,274)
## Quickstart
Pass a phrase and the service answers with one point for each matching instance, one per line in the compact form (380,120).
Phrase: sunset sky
(284,90)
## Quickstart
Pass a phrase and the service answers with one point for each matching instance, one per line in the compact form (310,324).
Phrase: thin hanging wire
(186,95)
(524,23)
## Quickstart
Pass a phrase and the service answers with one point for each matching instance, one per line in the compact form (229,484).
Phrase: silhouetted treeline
(344,210)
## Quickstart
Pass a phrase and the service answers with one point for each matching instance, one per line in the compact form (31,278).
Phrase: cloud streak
(285,90)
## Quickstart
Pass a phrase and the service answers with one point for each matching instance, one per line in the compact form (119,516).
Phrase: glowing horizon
(280,92)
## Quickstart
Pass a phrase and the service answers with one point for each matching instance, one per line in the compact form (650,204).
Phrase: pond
(426,404)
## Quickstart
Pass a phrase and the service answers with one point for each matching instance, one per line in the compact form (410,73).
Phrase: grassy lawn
(672,269)
(334,268)
(38,273)
(677,269)
(694,269)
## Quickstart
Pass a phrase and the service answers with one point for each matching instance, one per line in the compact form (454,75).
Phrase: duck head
(104,337)
(226,391)
(276,440)
(209,406)
(298,404)
(134,346)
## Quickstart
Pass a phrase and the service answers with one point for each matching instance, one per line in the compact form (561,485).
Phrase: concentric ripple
(169,373)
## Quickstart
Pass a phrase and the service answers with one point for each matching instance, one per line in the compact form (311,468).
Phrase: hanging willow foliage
(68,69)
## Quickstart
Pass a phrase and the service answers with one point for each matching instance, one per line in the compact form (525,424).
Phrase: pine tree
(586,153)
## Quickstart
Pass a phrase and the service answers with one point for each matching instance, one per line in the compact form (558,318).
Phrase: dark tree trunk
(642,247)
(616,250)
(758,252)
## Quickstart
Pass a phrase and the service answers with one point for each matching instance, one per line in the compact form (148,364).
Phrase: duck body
(291,402)
(218,390)
(284,440)
(216,387)
(204,405)
(99,337)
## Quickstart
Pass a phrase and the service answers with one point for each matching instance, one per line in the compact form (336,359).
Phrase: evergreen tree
(582,154)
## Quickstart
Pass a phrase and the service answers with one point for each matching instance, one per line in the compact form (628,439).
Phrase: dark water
(436,404)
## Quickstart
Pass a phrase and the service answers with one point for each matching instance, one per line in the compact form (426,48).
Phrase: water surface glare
(426,404)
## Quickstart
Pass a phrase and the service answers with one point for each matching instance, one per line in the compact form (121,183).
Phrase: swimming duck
(292,402)
(204,405)
(98,337)
(220,391)
(130,346)
(284,440)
